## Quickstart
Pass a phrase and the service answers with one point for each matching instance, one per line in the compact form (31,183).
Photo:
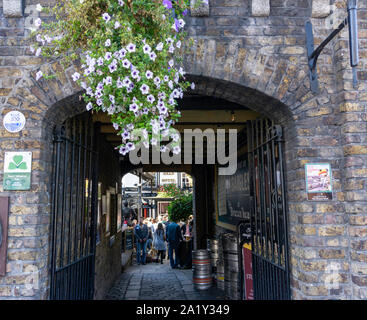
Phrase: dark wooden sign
(4,213)
(129,239)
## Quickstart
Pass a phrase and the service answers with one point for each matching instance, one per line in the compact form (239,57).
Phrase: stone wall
(251,58)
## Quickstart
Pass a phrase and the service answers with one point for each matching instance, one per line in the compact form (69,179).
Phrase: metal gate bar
(74,196)
(269,217)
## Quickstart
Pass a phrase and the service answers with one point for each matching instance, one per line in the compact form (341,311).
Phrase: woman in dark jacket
(159,242)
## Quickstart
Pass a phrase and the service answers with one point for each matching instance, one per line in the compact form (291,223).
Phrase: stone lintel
(260,8)
(320,8)
(13,8)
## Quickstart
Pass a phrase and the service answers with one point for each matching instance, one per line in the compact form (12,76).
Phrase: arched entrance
(262,143)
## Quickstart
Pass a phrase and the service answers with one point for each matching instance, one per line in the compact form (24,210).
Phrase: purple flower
(135,73)
(152,56)
(167,4)
(133,107)
(150,98)
(112,67)
(149,74)
(122,53)
(108,80)
(176,25)
(130,146)
(119,83)
(124,150)
(125,135)
(184,13)
(144,89)
(157,81)
(131,47)
(147,49)
(126,63)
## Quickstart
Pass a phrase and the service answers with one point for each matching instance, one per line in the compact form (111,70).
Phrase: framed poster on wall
(318,181)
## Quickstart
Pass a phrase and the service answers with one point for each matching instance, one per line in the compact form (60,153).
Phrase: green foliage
(99,33)
(181,208)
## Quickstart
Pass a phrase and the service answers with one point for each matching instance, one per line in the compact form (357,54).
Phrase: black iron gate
(74,196)
(269,227)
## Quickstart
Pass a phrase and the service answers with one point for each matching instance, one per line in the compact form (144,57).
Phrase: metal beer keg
(202,276)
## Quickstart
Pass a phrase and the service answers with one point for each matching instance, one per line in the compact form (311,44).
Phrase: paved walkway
(155,281)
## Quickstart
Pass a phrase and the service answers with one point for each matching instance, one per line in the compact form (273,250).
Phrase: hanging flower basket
(131,55)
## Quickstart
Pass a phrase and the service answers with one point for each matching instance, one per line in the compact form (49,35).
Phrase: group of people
(161,233)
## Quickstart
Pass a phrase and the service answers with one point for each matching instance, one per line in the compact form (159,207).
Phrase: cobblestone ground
(155,281)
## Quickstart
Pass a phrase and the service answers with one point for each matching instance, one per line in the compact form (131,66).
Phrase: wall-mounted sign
(248,285)
(318,181)
(233,195)
(14,121)
(17,170)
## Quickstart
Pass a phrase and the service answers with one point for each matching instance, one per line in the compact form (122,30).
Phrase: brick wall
(256,61)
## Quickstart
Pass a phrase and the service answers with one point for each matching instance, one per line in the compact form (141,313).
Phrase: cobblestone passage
(155,281)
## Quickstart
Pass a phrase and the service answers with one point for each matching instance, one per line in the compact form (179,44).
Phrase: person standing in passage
(127,213)
(159,242)
(141,235)
(174,237)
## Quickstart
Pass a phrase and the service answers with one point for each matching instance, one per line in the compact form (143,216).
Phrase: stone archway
(278,90)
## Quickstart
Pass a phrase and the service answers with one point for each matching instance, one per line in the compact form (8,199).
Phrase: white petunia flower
(38,22)
(117,25)
(89,106)
(159,46)
(106,17)
(131,47)
(147,49)
(39,75)
(39,7)
(150,98)
(149,74)
(107,43)
(75,76)
(144,89)
(152,56)
(126,63)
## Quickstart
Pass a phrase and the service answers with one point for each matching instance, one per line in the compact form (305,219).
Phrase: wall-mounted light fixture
(233,117)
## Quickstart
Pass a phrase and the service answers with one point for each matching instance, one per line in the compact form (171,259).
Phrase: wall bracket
(313,54)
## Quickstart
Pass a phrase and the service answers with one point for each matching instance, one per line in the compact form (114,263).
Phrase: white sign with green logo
(17,170)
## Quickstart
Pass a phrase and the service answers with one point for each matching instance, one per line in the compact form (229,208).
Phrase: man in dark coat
(174,237)
(141,235)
